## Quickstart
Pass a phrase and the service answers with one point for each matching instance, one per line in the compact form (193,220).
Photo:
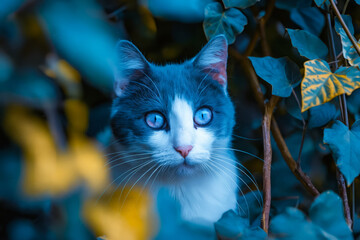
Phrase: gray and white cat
(174,124)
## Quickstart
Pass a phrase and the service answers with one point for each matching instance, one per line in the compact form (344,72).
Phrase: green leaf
(217,21)
(327,212)
(344,144)
(234,227)
(305,18)
(320,85)
(327,221)
(281,73)
(348,49)
(309,45)
(239,3)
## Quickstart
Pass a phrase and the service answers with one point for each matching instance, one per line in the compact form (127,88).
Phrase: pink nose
(184,150)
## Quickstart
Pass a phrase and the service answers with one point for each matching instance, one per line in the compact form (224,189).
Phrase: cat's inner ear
(130,64)
(212,59)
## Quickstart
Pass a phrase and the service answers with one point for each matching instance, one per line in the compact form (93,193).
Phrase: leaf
(327,221)
(6,67)
(322,3)
(344,145)
(48,170)
(305,18)
(91,50)
(9,6)
(327,212)
(235,227)
(239,3)
(348,49)
(115,217)
(320,85)
(281,73)
(294,4)
(229,22)
(309,45)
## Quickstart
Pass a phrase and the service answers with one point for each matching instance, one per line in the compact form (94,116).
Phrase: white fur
(202,199)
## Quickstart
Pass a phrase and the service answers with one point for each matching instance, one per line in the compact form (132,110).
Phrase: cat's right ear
(130,64)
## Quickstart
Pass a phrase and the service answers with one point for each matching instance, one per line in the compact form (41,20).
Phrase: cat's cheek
(159,139)
(203,143)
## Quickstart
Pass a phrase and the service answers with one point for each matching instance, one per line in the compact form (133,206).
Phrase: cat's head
(178,114)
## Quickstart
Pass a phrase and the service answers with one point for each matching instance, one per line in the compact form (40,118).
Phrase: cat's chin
(185,169)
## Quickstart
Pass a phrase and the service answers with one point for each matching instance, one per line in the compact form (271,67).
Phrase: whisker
(238,150)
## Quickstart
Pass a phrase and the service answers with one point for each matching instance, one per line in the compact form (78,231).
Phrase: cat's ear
(213,59)
(130,64)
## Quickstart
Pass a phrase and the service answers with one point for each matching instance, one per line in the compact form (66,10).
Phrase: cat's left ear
(212,59)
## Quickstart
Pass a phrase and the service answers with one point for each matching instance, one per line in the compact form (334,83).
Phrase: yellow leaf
(117,218)
(48,170)
(320,85)
(77,115)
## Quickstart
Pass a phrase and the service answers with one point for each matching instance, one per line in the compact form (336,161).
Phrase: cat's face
(177,114)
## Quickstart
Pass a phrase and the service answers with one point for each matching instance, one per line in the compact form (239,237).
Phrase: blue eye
(203,116)
(155,120)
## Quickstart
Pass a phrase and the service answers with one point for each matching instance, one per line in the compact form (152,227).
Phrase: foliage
(56,79)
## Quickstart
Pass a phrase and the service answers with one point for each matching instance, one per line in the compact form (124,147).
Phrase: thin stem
(345,6)
(302,143)
(266,125)
(294,167)
(344,118)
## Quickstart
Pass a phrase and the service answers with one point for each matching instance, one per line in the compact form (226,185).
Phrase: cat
(173,126)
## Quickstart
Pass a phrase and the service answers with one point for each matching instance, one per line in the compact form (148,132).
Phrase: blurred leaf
(294,4)
(147,19)
(9,6)
(10,173)
(217,21)
(327,217)
(68,77)
(48,171)
(305,18)
(281,73)
(320,85)
(90,50)
(187,11)
(354,104)
(235,227)
(317,116)
(348,49)
(327,212)
(115,217)
(77,115)
(6,67)
(29,87)
(309,45)
(239,3)
(344,146)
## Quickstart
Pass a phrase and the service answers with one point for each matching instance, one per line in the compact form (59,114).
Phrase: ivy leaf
(305,18)
(316,116)
(327,221)
(309,45)
(234,227)
(327,212)
(281,73)
(357,1)
(320,85)
(217,21)
(239,3)
(348,49)
(344,144)
(322,3)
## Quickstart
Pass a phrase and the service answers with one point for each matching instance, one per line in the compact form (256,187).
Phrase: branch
(347,31)
(269,109)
